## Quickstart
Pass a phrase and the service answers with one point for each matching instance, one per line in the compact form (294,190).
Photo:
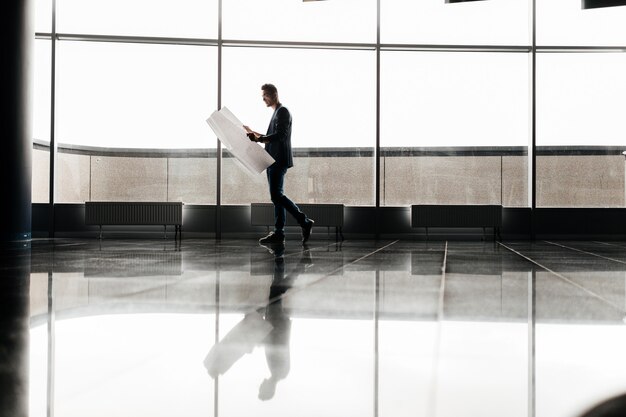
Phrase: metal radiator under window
(134,213)
(457,216)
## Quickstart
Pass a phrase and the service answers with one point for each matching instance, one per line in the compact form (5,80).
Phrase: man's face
(268,99)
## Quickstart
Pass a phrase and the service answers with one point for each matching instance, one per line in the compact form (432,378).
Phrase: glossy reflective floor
(358,328)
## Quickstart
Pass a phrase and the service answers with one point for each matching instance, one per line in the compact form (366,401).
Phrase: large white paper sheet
(229,130)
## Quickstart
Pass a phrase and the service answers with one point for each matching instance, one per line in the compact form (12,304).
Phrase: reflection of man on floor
(276,343)
(269,327)
(240,340)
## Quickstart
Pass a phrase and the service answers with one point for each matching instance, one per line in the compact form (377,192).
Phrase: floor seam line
(564,278)
(585,252)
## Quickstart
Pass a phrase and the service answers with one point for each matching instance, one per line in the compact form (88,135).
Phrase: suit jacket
(279,137)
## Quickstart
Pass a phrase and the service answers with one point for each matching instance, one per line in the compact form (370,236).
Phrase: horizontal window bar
(299,45)
(136,39)
(345,151)
(331,45)
(454,48)
(580,49)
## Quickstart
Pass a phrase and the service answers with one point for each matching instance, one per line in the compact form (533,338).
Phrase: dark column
(16,63)
(14,329)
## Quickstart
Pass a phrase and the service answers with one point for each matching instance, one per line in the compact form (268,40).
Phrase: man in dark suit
(277,142)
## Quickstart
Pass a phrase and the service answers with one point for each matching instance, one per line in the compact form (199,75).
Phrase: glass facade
(581,95)
(42,102)
(565,23)
(331,97)
(581,99)
(128,95)
(131,96)
(43,16)
(393,102)
(433,22)
(278,20)
(454,128)
(161,18)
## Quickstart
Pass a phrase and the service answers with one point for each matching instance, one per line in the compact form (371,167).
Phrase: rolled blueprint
(229,130)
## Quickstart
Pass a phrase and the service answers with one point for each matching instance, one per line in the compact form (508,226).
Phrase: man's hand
(252,135)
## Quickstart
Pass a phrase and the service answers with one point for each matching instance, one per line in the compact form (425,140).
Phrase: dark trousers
(282,204)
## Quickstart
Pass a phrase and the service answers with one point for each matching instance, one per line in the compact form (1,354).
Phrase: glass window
(331,97)
(40,186)
(564,22)
(581,99)
(43,16)
(454,128)
(122,95)
(501,22)
(116,98)
(287,20)
(42,82)
(166,18)
(41,122)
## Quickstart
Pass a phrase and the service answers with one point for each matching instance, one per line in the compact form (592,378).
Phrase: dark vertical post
(16,54)
(218,190)
(533,116)
(53,147)
(377,146)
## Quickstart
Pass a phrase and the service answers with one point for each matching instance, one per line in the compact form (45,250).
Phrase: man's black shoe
(272,238)
(306,230)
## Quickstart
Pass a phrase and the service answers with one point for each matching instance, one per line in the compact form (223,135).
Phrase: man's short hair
(270,89)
